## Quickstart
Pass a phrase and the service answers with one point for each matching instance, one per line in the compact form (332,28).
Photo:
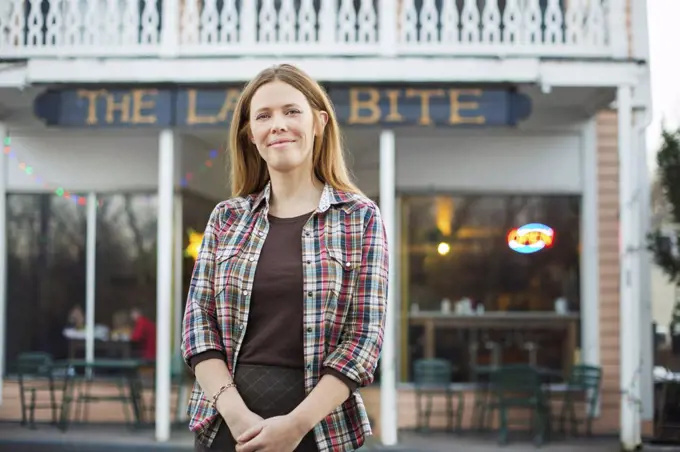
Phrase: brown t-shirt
(274,332)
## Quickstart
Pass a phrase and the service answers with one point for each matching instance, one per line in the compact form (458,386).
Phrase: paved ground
(14,438)
(468,443)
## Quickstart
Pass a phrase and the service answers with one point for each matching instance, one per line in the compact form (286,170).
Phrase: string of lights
(59,190)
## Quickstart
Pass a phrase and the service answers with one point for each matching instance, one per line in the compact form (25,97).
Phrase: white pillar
(90,265)
(3,257)
(164,315)
(642,119)
(178,260)
(388,376)
(590,253)
(629,277)
(177,301)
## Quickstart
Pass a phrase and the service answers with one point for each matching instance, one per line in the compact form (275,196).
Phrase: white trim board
(548,73)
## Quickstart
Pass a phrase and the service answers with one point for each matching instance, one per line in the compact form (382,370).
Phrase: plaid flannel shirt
(345,273)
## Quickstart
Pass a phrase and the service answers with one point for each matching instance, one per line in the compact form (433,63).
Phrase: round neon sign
(531,238)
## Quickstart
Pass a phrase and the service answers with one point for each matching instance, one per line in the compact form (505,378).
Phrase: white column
(90,265)
(629,277)
(164,315)
(388,376)
(178,260)
(642,119)
(590,253)
(3,257)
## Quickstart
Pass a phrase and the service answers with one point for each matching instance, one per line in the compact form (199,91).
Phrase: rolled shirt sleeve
(200,332)
(357,355)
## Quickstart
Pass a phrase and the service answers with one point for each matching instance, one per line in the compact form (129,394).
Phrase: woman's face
(283,126)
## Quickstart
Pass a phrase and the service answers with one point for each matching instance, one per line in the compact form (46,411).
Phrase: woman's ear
(322,120)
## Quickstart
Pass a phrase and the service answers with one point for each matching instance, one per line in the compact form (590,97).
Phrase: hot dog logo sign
(531,238)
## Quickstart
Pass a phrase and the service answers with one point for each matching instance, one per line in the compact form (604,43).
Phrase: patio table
(125,372)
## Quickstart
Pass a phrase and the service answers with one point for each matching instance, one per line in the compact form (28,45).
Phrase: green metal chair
(519,387)
(36,373)
(583,381)
(433,377)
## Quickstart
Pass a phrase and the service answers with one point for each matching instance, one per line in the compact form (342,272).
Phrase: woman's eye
(294,112)
(262,116)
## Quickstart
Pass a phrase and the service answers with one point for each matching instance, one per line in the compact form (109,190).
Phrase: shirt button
(252,259)
(309,293)
(309,261)
(309,366)
(245,292)
(240,327)
(348,264)
(307,233)
(309,329)
(260,233)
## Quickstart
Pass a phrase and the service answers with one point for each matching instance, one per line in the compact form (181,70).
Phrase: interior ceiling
(572,97)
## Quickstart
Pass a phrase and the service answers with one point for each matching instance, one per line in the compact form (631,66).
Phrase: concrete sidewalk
(439,442)
(100,438)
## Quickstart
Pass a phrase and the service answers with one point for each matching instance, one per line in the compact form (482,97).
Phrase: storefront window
(196,210)
(125,271)
(45,271)
(479,289)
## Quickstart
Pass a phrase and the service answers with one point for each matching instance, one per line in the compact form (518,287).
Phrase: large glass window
(479,289)
(47,266)
(196,210)
(126,275)
(45,271)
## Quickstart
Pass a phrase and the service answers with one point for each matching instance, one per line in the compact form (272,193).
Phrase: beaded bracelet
(219,393)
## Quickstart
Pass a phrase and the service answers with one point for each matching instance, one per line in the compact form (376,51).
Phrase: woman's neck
(292,196)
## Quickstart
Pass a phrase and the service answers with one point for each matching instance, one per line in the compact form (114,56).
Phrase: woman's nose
(278,123)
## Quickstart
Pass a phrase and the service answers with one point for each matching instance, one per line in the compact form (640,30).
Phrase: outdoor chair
(432,377)
(519,387)
(38,378)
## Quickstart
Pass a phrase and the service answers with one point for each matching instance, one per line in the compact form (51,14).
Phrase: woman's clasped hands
(276,434)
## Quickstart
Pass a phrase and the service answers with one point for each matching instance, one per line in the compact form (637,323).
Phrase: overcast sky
(664,32)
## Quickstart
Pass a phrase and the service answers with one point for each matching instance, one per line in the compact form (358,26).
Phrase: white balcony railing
(108,28)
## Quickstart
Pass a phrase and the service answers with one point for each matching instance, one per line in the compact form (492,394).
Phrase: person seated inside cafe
(143,334)
(76,327)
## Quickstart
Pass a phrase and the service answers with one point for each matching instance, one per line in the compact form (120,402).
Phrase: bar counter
(499,320)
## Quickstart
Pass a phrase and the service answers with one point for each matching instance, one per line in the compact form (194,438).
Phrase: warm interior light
(443,248)
(444,214)
(195,239)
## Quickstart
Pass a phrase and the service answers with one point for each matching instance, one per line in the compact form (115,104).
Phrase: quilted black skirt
(267,391)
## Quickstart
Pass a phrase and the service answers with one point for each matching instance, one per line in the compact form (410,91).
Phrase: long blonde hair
(249,172)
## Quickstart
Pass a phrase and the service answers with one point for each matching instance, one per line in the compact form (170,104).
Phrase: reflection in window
(457,263)
(196,210)
(126,266)
(45,271)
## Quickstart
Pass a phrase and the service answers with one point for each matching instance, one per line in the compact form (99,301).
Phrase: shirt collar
(329,197)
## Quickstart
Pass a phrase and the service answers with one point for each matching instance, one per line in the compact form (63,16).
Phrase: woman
(285,313)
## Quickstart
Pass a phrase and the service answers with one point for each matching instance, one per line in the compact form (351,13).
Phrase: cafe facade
(500,201)
(503,142)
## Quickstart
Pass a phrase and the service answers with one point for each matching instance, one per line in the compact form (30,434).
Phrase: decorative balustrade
(108,28)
